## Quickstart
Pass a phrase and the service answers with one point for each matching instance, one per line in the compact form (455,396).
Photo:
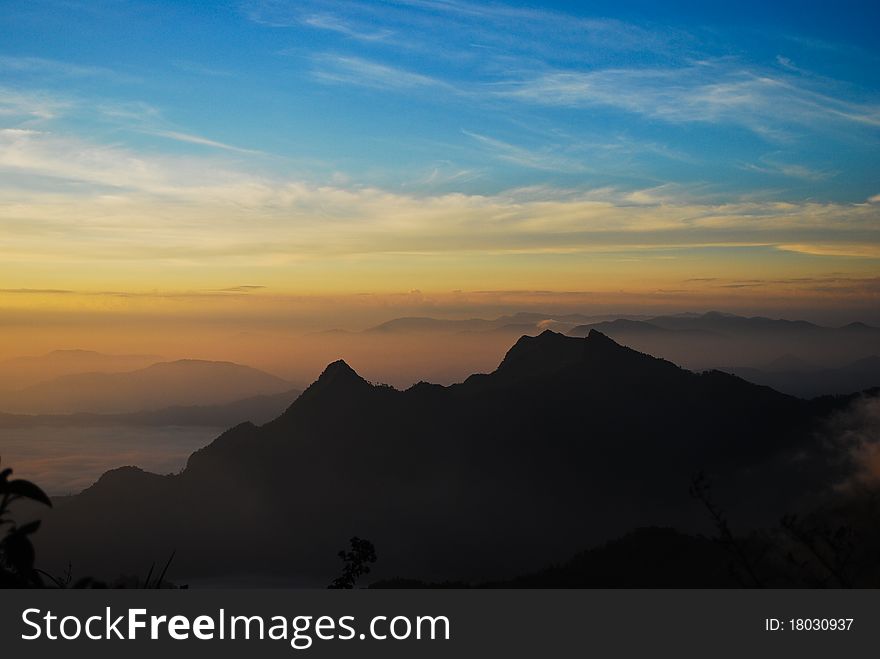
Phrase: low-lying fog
(68,460)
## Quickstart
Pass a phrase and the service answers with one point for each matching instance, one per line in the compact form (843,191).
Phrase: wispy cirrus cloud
(49,154)
(774,166)
(546,32)
(37,291)
(134,112)
(245,288)
(366,73)
(666,88)
(414,25)
(548,159)
(333,23)
(200,69)
(319,15)
(43,67)
(29,114)
(29,105)
(201,141)
(705,92)
(553,59)
(855,250)
(130,205)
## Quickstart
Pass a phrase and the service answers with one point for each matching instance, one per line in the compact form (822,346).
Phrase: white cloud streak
(546,159)
(42,66)
(326,21)
(201,141)
(708,92)
(129,205)
(366,73)
(19,105)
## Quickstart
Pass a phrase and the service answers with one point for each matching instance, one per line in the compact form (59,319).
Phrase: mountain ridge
(181,382)
(486,477)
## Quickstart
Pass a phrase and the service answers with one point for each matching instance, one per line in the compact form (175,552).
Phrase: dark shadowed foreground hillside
(570,442)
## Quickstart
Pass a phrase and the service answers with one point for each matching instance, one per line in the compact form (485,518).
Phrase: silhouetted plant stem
(164,570)
(701,489)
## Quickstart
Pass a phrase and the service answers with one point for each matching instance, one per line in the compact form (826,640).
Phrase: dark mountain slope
(645,558)
(568,443)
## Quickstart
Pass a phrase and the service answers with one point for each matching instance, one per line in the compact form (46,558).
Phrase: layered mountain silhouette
(184,382)
(570,442)
(701,341)
(520,323)
(20,372)
(256,409)
(718,323)
(403,350)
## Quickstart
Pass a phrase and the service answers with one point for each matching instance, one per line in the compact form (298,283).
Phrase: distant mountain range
(403,348)
(256,409)
(517,323)
(185,382)
(695,340)
(716,322)
(20,372)
(700,341)
(713,323)
(569,442)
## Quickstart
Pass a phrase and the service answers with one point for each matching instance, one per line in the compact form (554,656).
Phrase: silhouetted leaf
(28,490)
(30,527)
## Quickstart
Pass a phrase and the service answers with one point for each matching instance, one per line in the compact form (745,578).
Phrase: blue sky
(712,153)
(752,99)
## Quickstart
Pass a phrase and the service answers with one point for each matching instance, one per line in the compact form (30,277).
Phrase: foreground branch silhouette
(356,563)
(701,490)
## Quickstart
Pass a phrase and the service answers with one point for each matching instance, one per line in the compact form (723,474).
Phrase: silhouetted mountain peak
(337,379)
(120,479)
(550,353)
(857,326)
(338,370)
(533,355)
